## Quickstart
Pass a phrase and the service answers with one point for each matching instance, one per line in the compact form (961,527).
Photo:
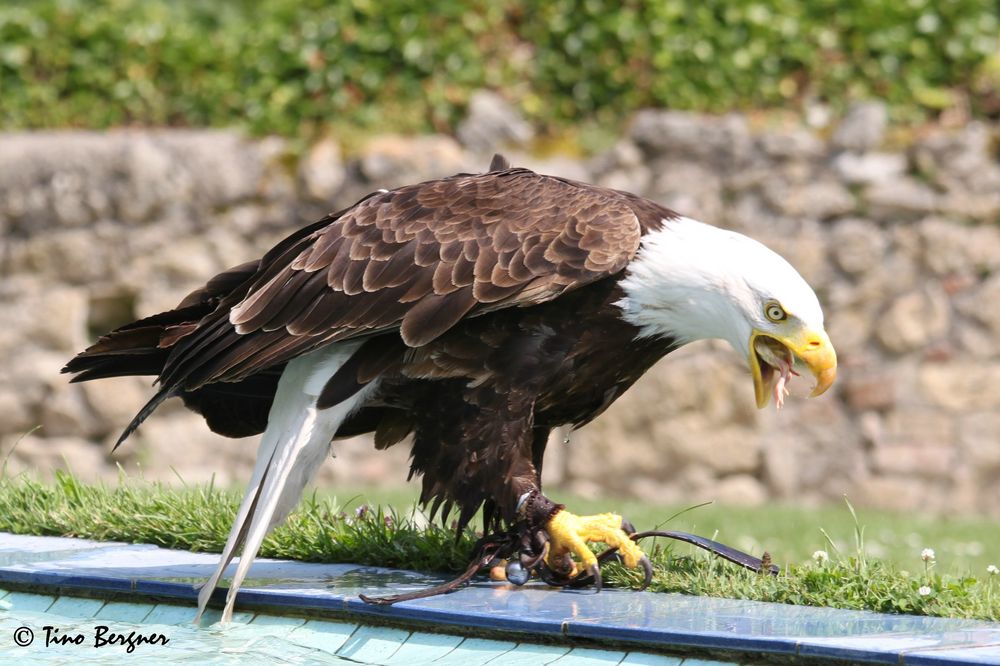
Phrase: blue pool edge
(653,621)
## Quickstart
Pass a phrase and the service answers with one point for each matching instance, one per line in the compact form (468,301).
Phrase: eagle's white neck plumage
(693,281)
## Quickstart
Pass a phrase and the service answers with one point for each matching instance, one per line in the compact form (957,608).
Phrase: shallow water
(237,643)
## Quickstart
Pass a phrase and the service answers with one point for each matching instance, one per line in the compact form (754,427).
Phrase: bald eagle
(475,313)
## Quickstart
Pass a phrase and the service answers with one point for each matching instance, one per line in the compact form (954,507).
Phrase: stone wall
(900,236)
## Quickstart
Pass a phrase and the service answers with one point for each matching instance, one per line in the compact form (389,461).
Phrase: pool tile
(169,614)
(975,655)
(373,645)
(887,647)
(265,625)
(26,601)
(60,581)
(476,607)
(647,659)
(423,648)
(23,543)
(531,654)
(120,611)
(76,607)
(266,649)
(213,616)
(590,657)
(264,620)
(322,634)
(674,620)
(477,651)
(181,592)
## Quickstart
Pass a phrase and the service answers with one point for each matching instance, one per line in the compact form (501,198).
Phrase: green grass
(963,545)
(346,530)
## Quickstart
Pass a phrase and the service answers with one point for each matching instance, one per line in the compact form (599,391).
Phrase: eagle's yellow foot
(568,535)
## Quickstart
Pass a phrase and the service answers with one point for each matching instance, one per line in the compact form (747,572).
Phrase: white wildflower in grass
(820,556)
(927,555)
(924,590)
(991,570)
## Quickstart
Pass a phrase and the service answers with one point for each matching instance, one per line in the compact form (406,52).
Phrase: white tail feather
(292,449)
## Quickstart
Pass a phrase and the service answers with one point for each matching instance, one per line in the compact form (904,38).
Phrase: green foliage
(297,67)
(276,65)
(199,518)
(719,54)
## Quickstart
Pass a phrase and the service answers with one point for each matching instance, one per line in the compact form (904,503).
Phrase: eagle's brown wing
(419,258)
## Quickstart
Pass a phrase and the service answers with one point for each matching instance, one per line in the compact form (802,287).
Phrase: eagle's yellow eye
(775,312)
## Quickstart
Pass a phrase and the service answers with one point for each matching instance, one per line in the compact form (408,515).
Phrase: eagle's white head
(692,281)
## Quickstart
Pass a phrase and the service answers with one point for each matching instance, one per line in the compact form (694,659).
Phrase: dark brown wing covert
(419,258)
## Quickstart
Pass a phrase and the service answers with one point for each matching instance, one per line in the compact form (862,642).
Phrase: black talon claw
(591,576)
(595,571)
(627,527)
(647,568)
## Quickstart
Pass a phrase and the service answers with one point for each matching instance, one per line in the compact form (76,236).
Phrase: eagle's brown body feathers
(487,306)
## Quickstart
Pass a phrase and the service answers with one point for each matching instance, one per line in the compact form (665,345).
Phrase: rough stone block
(820,200)
(321,171)
(982,304)
(724,141)
(797,143)
(492,123)
(857,246)
(37,315)
(393,161)
(740,490)
(914,461)
(948,247)
(863,128)
(915,319)
(962,386)
(40,457)
(867,168)
(895,493)
(900,200)
(979,441)
(871,390)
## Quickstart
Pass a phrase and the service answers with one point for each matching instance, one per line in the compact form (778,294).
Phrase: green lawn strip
(324,530)
(791,534)
(963,545)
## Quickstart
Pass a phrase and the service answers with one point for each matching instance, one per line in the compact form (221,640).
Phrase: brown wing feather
(420,258)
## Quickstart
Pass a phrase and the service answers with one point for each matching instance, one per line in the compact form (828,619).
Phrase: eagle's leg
(554,536)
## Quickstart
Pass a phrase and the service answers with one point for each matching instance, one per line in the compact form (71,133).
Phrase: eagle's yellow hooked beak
(772,357)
